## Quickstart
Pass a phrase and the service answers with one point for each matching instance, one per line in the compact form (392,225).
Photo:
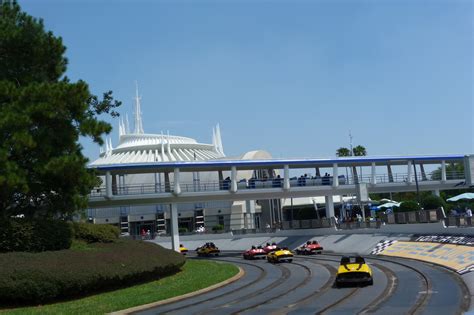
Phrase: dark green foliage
(95,233)
(407,206)
(27,278)
(34,235)
(42,115)
(431,202)
(183,230)
(218,227)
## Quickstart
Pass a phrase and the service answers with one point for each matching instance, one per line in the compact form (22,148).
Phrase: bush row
(92,233)
(37,235)
(32,278)
(19,234)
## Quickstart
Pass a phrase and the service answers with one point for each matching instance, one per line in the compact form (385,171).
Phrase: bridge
(367,175)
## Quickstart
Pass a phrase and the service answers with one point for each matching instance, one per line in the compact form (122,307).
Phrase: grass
(196,275)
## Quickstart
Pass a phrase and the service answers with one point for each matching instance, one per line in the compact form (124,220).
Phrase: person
(148,234)
(276,182)
(468,212)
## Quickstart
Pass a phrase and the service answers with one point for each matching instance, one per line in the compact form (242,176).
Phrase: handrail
(197,186)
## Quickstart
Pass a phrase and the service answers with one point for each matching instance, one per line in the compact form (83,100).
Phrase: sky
(289,77)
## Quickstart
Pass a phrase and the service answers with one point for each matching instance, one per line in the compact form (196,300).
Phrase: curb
(143,307)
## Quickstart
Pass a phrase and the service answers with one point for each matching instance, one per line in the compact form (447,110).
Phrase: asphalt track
(305,286)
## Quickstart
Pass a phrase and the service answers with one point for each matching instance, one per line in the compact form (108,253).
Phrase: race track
(306,287)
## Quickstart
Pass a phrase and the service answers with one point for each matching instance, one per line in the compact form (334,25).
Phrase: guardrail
(198,186)
(459,222)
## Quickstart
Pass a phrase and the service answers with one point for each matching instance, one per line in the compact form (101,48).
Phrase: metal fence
(150,188)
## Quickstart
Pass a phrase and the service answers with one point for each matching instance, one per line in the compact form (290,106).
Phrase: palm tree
(343,152)
(356,151)
(359,151)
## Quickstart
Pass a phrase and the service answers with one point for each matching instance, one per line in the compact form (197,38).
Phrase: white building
(138,147)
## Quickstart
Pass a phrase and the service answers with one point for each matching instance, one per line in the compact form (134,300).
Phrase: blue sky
(289,77)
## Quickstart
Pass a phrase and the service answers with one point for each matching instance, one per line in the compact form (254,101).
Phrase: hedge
(407,206)
(33,278)
(31,235)
(92,233)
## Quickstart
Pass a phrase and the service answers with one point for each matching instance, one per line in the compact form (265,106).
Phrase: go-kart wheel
(370,282)
(290,260)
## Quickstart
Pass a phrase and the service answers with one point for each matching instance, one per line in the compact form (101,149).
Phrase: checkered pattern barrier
(381,246)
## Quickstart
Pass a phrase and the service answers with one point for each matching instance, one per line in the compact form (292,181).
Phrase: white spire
(138,113)
(168,142)
(121,127)
(162,143)
(219,140)
(127,125)
(214,141)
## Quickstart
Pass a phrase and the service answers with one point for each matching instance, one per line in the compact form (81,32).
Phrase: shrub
(93,233)
(407,206)
(28,235)
(218,227)
(31,278)
(183,230)
(432,202)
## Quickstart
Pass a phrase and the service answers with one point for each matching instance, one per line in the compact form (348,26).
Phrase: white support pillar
(335,178)
(409,170)
(233,179)
(436,192)
(108,185)
(176,184)
(373,173)
(174,227)
(329,207)
(443,172)
(286,175)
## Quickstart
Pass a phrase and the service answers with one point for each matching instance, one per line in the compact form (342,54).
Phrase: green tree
(343,152)
(359,151)
(356,151)
(42,115)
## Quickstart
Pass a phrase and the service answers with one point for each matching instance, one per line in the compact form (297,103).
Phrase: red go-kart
(255,253)
(310,248)
(270,248)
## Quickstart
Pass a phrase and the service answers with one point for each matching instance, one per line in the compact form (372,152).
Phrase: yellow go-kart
(183,250)
(353,271)
(208,249)
(279,255)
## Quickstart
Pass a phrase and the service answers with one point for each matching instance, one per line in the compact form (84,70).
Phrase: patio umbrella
(389,205)
(461,196)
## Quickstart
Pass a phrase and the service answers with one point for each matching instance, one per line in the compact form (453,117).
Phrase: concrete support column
(167,182)
(373,173)
(443,171)
(329,207)
(409,172)
(286,179)
(436,192)
(318,172)
(108,185)
(174,227)
(233,178)
(335,178)
(176,186)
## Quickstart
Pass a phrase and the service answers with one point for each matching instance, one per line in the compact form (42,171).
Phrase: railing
(421,216)
(459,221)
(198,186)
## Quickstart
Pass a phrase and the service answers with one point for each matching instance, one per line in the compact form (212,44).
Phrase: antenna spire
(138,113)
(350,141)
